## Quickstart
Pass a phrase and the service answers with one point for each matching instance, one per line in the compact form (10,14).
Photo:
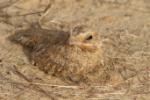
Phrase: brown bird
(73,56)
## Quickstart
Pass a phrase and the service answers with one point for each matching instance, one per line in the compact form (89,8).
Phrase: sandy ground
(124,26)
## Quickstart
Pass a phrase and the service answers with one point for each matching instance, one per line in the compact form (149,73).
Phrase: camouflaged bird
(72,56)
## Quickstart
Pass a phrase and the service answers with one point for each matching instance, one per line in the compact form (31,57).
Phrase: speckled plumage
(59,53)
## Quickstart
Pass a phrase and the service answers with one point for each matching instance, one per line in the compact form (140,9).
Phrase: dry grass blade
(34,86)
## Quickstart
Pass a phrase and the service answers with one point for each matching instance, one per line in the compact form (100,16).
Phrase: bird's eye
(89,37)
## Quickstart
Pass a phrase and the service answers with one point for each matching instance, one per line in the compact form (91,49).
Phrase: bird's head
(86,40)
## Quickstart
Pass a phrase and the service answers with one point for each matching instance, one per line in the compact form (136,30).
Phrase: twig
(34,86)
(9,3)
(38,12)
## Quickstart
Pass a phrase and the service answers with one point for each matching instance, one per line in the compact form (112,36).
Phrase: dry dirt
(124,27)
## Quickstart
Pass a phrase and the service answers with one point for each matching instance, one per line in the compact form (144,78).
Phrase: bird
(69,55)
